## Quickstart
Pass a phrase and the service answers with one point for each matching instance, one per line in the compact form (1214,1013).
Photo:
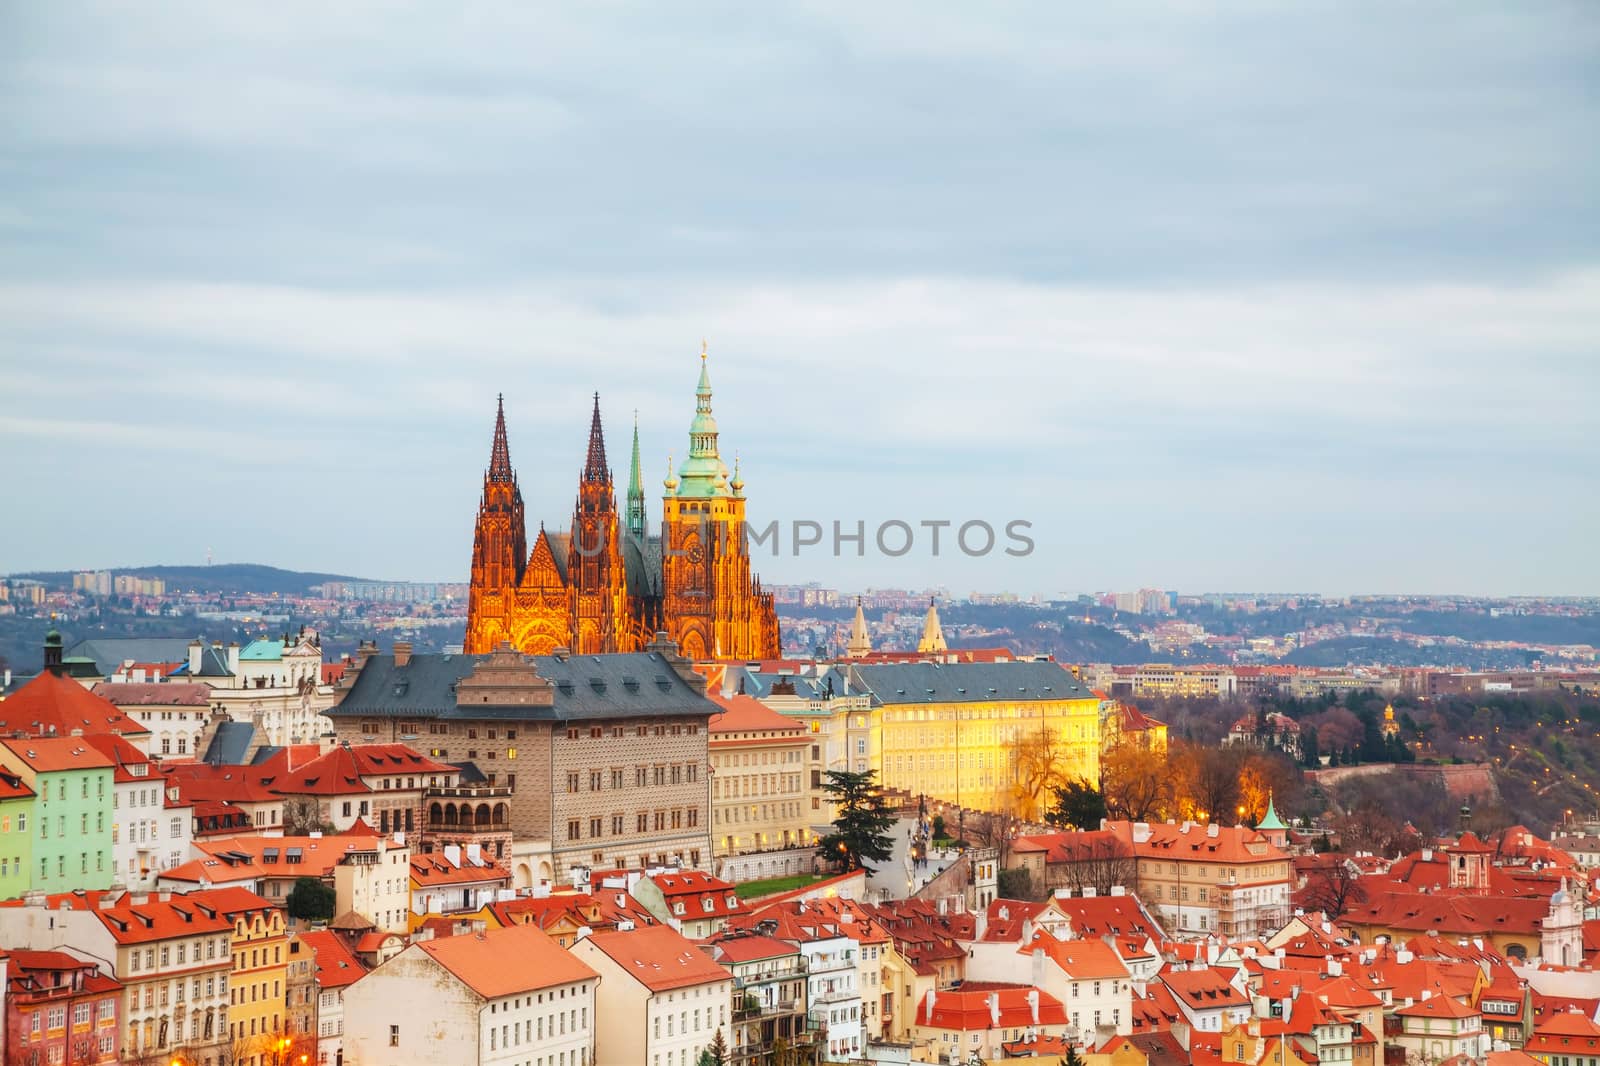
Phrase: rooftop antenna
(208,556)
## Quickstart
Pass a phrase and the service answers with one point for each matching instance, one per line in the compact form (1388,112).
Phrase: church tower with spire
(714,608)
(932,642)
(608,586)
(598,593)
(499,546)
(860,644)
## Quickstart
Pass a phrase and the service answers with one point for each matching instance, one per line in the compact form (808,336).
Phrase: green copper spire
(1272,821)
(703,474)
(636,521)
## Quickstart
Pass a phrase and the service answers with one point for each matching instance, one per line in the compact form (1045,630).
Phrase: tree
(1100,861)
(717,1053)
(1036,757)
(301,815)
(1136,782)
(1333,888)
(1072,1058)
(310,900)
(1309,753)
(937,827)
(1078,805)
(1015,883)
(861,830)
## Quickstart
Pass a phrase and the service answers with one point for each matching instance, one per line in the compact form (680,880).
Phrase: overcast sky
(1290,297)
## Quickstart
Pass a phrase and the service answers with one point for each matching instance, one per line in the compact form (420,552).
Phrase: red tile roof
(1078,959)
(154,694)
(694,890)
(11,786)
(747,947)
(1205,989)
(57,754)
(1565,1033)
(746,714)
(435,870)
(974,1005)
(660,958)
(125,757)
(479,961)
(51,703)
(1438,1007)
(337,965)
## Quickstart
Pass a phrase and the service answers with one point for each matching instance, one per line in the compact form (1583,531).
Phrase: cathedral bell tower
(499,546)
(598,590)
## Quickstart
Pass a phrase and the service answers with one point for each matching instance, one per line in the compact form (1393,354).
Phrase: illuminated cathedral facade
(609,585)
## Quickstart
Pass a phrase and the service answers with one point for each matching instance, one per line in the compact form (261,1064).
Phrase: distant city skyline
(1215,300)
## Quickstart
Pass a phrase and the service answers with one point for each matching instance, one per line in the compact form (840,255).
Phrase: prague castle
(609,585)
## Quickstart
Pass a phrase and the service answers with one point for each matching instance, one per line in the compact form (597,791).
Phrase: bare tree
(1333,888)
(301,815)
(1096,860)
(1136,782)
(1036,756)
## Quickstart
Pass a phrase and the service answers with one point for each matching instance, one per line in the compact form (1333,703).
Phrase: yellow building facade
(949,731)
(258,984)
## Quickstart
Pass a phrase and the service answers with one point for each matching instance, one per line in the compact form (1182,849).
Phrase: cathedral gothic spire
(595,470)
(500,452)
(636,516)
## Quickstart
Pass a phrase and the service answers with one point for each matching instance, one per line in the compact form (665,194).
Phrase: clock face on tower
(697,554)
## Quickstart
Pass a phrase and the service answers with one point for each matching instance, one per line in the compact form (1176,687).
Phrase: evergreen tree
(861,830)
(310,900)
(1308,747)
(1078,805)
(1072,1058)
(717,1053)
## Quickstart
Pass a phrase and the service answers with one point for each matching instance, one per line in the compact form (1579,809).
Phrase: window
(594,827)
(394,1036)
(572,782)
(572,829)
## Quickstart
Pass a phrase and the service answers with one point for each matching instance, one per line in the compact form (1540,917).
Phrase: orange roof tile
(47,755)
(51,703)
(479,961)
(337,965)
(973,1006)
(1078,959)
(659,957)
(746,714)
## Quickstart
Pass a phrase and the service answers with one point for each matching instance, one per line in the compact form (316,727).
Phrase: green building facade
(71,818)
(16,835)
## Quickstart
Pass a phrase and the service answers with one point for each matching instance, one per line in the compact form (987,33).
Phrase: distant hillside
(234,578)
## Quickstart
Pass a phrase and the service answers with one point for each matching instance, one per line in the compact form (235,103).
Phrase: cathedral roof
(584,686)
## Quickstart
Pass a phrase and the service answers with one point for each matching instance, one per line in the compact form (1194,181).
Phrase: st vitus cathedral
(609,585)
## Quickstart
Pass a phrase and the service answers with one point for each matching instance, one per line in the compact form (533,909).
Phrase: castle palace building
(609,586)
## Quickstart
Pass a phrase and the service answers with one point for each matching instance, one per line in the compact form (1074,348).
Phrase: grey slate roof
(229,744)
(966,682)
(760,684)
(109,653)
(641,564)
(586,686)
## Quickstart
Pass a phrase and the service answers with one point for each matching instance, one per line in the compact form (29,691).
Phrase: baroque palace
(609,585)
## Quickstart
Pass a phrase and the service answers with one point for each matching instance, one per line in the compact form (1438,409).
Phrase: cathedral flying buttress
(608,585)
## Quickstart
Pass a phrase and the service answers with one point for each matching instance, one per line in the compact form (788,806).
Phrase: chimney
(1033,1004)
(1119,890)
(994,1009)
(196,650)
(927,1016)
(233,658)
(402,652)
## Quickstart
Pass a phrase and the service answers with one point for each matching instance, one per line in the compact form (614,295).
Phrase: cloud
(1219,280)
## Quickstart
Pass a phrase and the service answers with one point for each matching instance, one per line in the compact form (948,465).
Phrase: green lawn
(751,889)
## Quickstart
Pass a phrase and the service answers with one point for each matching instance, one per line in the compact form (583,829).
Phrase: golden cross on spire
(702,349)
